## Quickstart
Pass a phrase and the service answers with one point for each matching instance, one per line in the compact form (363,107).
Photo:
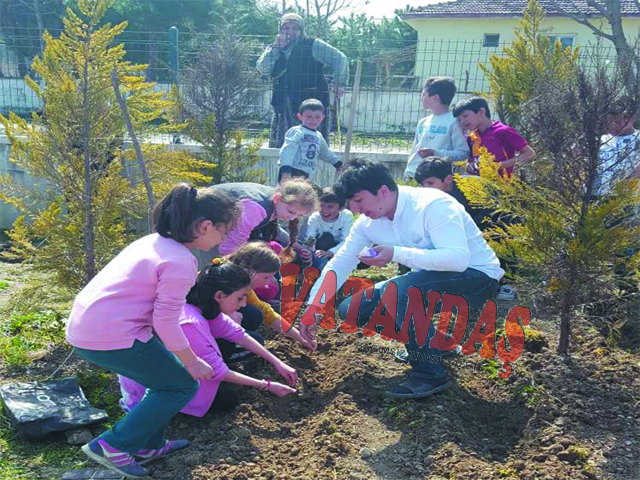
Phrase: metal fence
(389,105)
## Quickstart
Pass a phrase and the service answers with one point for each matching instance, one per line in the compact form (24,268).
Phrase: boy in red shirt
(502,141)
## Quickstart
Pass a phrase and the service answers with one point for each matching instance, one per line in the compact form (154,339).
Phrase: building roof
(511,8)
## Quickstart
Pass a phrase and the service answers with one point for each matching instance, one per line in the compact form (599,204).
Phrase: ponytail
(179,213)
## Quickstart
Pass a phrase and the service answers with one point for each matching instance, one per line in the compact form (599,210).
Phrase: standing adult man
(425,229)
(295,64)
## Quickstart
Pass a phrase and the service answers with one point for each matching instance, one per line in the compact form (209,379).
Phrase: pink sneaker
(170,446)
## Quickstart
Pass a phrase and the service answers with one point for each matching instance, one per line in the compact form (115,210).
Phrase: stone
(540,458)
(106,475)
(78,436)
(366,452)
(568,456)
(84,474)
(556,448)
(589,475)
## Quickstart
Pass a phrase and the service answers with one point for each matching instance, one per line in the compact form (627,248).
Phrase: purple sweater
(143,289)
(201,334)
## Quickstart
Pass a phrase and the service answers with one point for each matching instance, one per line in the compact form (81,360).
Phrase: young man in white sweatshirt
(425,229)
(439,133)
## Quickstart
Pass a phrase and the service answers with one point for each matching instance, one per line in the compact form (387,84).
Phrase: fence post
(173,53)
(352,113)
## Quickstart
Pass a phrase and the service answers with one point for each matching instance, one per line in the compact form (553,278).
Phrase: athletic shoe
(116,460)
(170,446)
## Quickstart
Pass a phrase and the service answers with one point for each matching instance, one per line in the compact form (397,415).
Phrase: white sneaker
(507,292)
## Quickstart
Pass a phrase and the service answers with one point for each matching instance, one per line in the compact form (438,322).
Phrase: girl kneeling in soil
(142,290)
(219,292)
(262,263)
(262,208)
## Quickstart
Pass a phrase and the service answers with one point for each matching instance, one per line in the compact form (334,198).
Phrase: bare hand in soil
(281,390)
(308,333)
(288,373)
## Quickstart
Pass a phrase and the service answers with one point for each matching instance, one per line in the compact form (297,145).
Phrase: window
(565,40)
(491,40)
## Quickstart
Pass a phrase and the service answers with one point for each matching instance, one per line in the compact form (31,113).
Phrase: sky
(384,8)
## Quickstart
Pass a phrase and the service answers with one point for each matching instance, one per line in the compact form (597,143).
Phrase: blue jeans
(472,284)
(169,388)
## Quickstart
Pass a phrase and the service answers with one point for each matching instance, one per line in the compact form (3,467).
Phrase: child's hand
(236,317)
(309,333)
(294,334)
(426,152)
(281,390)
(305,254)
(287,372)
(200,370)
(324,254)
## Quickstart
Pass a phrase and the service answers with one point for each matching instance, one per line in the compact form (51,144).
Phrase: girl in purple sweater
(141,292)
(220,291)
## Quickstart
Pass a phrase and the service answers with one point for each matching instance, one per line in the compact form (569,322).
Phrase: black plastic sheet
(39,408)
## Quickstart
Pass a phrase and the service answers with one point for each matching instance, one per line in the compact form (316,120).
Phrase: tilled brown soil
(577,419)
(553,418)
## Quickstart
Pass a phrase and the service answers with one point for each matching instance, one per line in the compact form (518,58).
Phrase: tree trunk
(568,300)
(89,234)
(38,13)
(134,140)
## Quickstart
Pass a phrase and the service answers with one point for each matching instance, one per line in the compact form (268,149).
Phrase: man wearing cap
(295,63)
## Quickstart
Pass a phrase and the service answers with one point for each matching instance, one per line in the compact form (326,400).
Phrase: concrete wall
(323,176)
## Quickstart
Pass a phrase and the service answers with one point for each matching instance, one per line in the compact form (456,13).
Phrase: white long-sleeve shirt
(443,135)
(339,228)
(430,230)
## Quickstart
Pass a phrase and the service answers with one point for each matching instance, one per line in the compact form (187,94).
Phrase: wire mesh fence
(388,105)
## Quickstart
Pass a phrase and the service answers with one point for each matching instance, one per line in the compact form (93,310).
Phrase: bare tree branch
(582,19)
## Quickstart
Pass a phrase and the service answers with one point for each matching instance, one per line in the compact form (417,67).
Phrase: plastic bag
(39,408)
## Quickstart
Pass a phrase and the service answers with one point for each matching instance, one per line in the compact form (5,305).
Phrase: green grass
(21,459)
(32,322)
(26,334)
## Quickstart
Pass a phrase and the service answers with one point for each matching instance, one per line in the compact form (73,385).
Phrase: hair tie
(217,261)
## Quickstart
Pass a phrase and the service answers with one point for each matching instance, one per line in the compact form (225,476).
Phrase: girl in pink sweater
(127,320)
(219,292)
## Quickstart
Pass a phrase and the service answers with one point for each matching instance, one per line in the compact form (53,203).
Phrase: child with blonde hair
(262,263)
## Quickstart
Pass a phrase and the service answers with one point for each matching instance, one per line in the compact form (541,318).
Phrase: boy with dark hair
(329,228)
(437,134)
(503,142)
(435,172)
(429,231)
(304,143)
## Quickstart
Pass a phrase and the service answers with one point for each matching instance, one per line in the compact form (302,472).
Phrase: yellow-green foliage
(552,232)
(530,57)
(82,126)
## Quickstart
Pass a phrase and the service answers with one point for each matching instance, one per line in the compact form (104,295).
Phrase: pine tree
(513,74)
(79,217)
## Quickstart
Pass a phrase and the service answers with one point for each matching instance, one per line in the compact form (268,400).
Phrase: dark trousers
(472,284)
(251,321)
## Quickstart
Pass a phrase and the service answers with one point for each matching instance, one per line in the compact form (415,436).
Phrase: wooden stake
(352,112)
